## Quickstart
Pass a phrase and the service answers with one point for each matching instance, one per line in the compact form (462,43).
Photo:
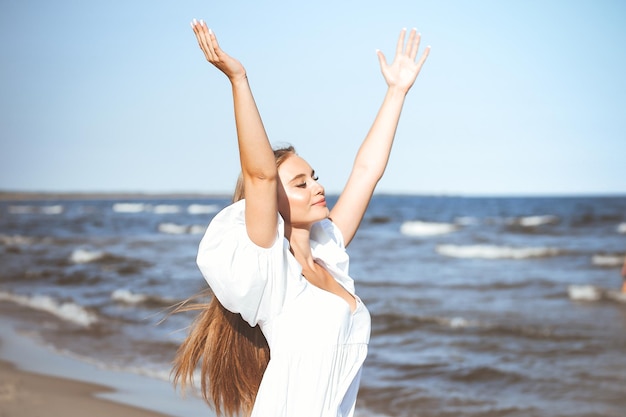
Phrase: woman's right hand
(220,59)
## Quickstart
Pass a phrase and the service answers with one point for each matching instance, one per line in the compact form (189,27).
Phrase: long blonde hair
(231,354)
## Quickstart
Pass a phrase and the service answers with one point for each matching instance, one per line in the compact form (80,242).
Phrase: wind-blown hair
(232,355)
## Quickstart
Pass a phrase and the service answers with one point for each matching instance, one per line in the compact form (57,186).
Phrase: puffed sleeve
(245,278)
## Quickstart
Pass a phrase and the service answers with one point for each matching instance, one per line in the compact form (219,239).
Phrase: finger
(414,44)
(209,36)
(198,31)
(194,27)
(204,41)
(423,58)
(381,58)
(400,44)
(216,46)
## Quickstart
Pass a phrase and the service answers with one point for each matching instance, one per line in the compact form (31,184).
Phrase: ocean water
(480,306)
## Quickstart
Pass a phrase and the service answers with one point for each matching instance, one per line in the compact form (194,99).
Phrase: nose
(318,188)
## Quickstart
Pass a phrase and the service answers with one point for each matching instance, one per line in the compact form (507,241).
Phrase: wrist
(395,91)
(240,79)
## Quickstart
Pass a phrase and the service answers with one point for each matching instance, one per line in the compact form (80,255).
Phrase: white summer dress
(317,344)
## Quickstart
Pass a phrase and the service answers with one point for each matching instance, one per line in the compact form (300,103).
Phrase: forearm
(255,151)
(373,155)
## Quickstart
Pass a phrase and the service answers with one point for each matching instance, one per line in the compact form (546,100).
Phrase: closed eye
(303,184)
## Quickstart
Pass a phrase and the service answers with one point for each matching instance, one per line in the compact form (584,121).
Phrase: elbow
(261,175)
(368,172)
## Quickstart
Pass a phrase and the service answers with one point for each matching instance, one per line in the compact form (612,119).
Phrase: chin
(313,216)
(319,216)
(325,215)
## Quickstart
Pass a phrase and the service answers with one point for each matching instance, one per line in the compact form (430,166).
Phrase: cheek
(291,200)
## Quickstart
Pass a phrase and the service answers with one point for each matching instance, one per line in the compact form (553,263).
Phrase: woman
(276,263)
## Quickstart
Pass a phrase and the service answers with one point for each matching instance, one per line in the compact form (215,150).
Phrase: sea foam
(21,209)
(180,229)
(495,252)
(535,221)
(16,240)
(129,207)
(172,228)
(64,310)
(55,209)
(608,260)
(84,256)
(197,229)
(125,296)
(202,208)
(593,293)
(584,292)
(166,209)
(25,209)
(128,297)
(621,228)
(425,229)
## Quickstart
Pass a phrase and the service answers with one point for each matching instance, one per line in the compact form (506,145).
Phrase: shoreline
(24,394)
(35,380)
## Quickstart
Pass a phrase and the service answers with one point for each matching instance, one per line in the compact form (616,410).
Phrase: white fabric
(317,344)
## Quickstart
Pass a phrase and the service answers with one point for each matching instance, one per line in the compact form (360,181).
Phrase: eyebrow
(302,175)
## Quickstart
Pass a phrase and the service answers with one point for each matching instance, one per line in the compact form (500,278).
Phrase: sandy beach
(26,394)
(37,381)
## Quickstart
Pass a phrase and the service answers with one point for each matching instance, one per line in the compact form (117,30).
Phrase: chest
(316,318)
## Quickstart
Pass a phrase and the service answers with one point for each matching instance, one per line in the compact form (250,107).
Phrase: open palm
(403,71)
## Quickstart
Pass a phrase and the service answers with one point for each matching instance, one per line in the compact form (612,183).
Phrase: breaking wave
(166,209)
(202,208)
(128,297)
(129,207)
(608,260)
(593,293)
(425,229)
(66,311)
(181,229)
(496,252)
(50,209)
(84,256)
(121,264)
(16,240)
(535,221)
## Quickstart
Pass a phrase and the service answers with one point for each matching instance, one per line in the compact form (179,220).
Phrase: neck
(300,244)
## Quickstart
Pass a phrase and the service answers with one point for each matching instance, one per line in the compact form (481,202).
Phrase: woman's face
(301,200)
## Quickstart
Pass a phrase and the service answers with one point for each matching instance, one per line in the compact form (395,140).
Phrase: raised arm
(258,167)
(373,155)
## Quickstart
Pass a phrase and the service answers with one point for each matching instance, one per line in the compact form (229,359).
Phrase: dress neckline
(357,300)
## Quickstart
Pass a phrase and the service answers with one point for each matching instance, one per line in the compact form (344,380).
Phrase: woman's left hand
(402,72)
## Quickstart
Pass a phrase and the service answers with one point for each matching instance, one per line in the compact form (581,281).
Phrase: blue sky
(517,97)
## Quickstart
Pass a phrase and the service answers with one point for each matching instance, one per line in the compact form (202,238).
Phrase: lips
(321,202)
